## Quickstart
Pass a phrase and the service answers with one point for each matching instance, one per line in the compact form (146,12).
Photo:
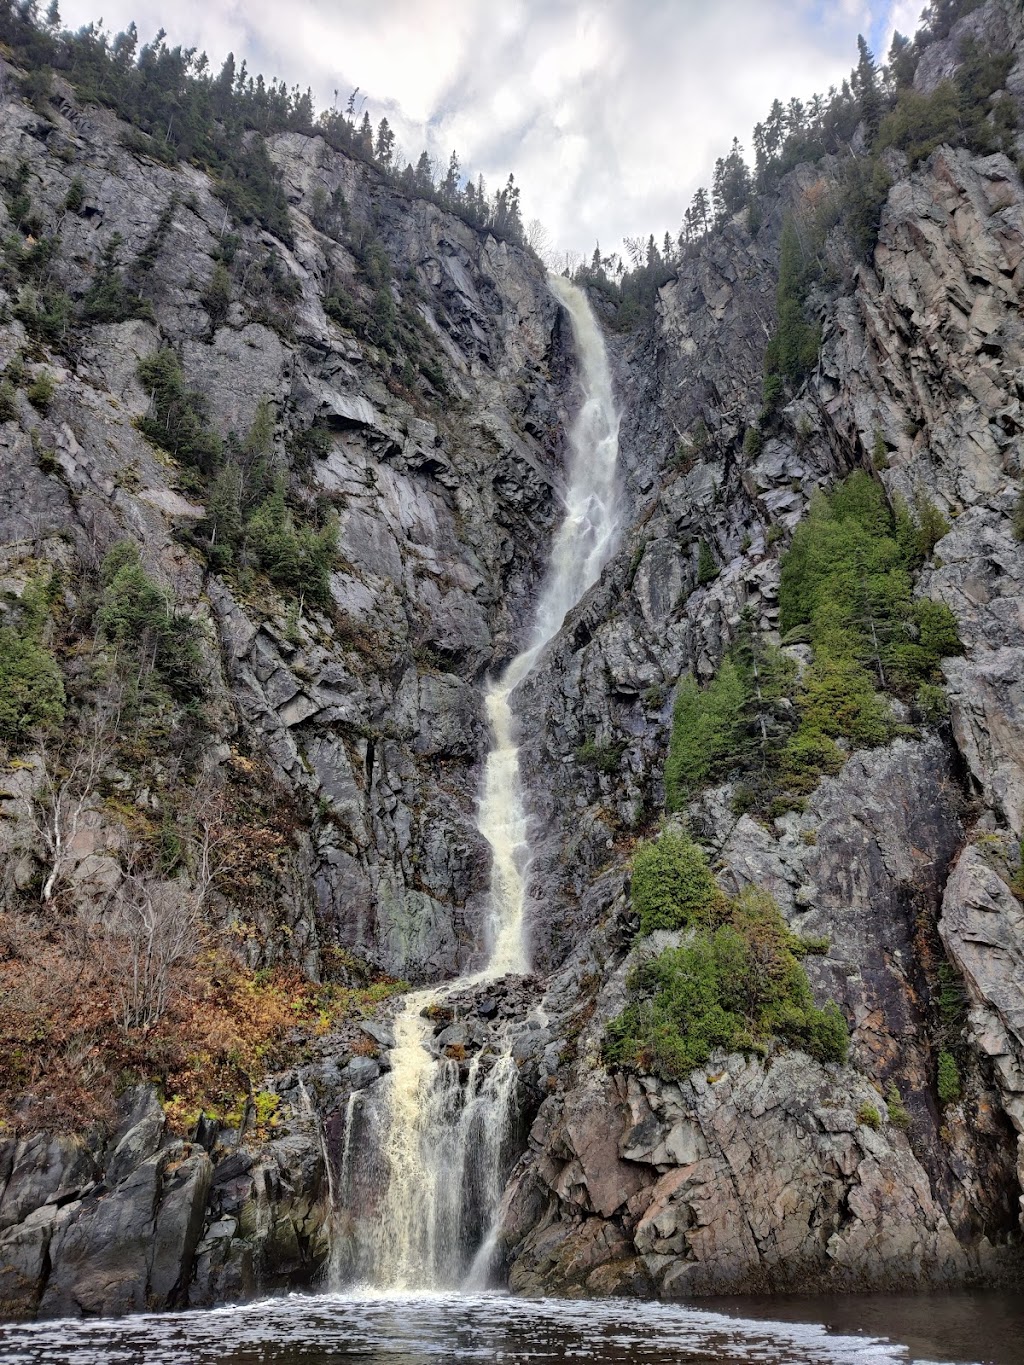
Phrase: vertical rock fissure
(444,1135)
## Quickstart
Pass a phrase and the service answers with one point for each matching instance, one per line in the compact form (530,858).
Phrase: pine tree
(773,129)
(450,186)
(901,65)
(424,175)
(365,135)
(731,185)
(701,208)
(385,148)
(865,87)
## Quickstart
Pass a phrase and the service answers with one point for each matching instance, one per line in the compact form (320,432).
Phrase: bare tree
(539,239)
(150,926)
(70,771)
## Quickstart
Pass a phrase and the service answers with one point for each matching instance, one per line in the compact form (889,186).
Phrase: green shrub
(793,349)
(222,528)
(341,307)
(40,392)
(917,662)
(216,298)
(178,420)
(75,197)
(705,731)
(605,757)
(839,701)
(707,569)
(8,401)
(932,703)
(899,1116)
(47,314)
(879,452)
(296,559)
(960,111)
(846,581)
(866,185)
(807,758)
(939,635)
(734,986)
(950,1001)
(110,298)
(672,884)
(135,612)
(738,724)
(31,687)
(773,390)
(948,1078)
(919,122)
(932,525)
(309,444)
(869,1116)
(753,443)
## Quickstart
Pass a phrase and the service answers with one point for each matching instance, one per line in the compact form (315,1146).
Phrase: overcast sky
(609,112)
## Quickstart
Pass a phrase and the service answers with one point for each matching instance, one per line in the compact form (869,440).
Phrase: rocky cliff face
(752,1173)
(672,1188)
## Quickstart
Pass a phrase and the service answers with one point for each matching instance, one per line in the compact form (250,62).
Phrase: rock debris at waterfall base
(259,719)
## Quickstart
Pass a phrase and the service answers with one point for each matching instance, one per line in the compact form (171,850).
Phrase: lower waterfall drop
(445,1136)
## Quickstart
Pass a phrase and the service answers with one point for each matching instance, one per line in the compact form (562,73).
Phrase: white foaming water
(582,545)
(445,1137)
(378,1329)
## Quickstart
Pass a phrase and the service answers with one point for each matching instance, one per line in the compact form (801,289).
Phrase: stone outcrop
(749,1177)
(752,1174)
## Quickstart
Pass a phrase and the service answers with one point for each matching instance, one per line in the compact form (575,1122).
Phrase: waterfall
(445,1135)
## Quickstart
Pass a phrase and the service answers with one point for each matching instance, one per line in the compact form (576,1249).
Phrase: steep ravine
(753,1174)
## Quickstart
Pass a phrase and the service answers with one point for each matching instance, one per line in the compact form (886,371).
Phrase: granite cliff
(436,449)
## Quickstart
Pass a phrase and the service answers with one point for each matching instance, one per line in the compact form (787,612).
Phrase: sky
(610,113)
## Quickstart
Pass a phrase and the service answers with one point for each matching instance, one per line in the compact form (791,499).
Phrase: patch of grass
(948,1078)
(604,757)
(869,1116)
(899,1115)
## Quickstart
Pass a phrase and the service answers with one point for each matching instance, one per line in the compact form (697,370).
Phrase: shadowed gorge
(446,1137)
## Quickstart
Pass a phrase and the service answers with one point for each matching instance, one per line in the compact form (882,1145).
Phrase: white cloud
(609,112)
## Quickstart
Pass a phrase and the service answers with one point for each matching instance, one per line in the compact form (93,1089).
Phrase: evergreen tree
(450,185)
(902,63)
(424,176)
(385,148)
(364,138)
(866,88)
(730,189)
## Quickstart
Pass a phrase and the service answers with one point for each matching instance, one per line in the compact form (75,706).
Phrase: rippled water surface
(410,1330)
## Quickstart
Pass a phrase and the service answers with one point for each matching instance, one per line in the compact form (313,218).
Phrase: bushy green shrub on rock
(735,983)
(31,688)
(846,590)
(672,885)
(135,612)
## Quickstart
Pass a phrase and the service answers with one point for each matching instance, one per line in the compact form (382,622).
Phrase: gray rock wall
(749,1175)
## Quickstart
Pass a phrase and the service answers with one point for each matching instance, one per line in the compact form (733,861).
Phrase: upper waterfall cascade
(444,1137)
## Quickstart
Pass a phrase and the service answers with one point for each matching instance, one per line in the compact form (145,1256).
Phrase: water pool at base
(407,1329)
